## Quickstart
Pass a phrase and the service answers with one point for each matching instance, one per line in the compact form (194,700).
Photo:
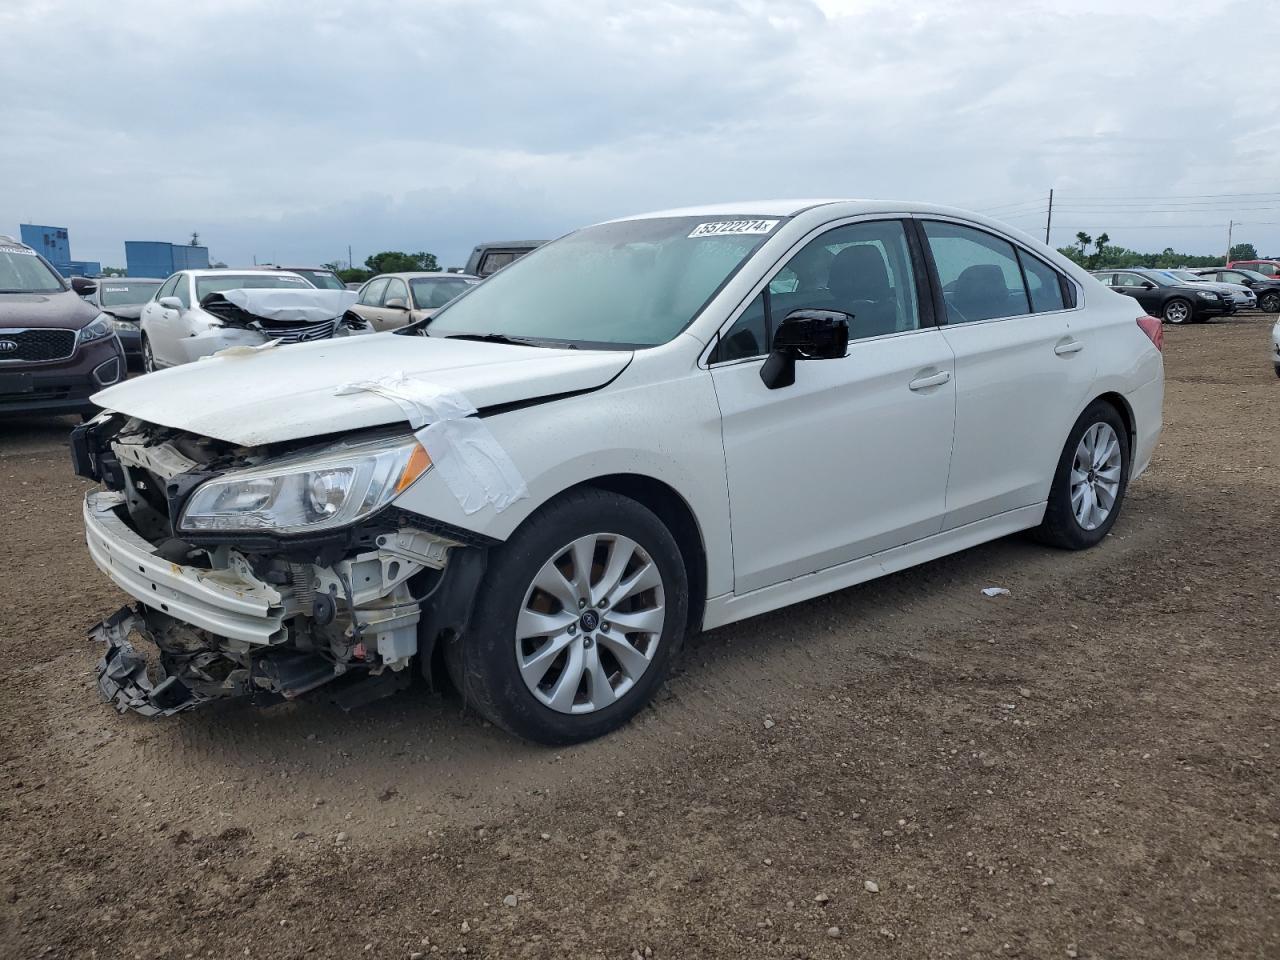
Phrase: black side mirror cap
(805,335)
(83,286)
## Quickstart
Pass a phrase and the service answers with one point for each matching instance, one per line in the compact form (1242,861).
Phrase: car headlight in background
(1207,294)
(322,491)
(97,328)
(124,326)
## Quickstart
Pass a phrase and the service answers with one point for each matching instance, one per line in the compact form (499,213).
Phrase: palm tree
(1084,240)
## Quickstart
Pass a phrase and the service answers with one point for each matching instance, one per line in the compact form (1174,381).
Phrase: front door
(852,458)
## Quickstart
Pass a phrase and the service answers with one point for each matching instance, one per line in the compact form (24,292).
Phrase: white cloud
(287,130)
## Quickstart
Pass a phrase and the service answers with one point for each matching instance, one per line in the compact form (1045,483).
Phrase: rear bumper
(63,387)
(221,603)
(1148,413)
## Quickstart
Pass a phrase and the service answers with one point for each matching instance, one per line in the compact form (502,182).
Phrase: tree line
(1098,253)
(389,261)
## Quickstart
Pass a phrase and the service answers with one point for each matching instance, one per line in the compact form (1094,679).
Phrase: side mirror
(1148,285)
(170,303)
(804,335)
(396,303)
(83,287)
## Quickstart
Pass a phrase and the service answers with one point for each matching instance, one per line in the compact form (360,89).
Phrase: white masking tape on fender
(471,462)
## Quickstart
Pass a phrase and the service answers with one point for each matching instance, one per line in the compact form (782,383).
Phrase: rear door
(1019,368)
(851,458)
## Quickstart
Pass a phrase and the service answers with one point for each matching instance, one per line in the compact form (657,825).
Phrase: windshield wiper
(496,338)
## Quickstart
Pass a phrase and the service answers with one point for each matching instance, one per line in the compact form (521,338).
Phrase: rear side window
(1044,285)
(979,273)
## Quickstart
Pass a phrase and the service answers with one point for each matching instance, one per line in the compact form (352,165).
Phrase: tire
(1062,526)
(1177,311)
(148,357)
(1269,302)
(538,702)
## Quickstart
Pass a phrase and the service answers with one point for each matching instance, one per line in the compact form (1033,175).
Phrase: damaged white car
(197,313)
(649,427)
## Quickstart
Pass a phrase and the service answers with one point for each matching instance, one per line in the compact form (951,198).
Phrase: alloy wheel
(590,623)
(1095,476)
(1177,312)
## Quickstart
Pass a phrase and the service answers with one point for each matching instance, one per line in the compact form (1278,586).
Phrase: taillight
(1152,327)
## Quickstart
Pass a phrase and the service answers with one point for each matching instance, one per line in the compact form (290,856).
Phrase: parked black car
(1161,297)
(1267,289)
(121,298)
(55,349)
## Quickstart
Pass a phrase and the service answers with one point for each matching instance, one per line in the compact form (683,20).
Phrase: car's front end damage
(264,571)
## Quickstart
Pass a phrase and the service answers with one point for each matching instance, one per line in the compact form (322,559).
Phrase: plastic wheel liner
(123,679)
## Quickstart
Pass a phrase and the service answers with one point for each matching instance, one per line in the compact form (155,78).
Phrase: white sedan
(177,328)
(649,427)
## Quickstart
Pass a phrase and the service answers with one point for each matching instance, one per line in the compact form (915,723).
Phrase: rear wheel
(1089,486)
(1177,310)
(577,620)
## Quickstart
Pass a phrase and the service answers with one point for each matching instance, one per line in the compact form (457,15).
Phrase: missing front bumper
(123,678)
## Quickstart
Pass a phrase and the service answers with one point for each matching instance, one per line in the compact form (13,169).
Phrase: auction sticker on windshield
(721,228)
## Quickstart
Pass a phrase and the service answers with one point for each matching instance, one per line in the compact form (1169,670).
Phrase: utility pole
(349,263)
(1048,220)
(1230,226)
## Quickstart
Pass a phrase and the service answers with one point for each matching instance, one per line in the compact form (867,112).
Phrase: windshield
(324,279)
(222,282)
(635,283)
(116,293)
(1185,275)
(1252,274)
(431,293)
(21,271)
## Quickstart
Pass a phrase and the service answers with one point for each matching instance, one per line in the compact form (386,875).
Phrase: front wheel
(1089,485)
(577,620)
(1269,303)
(148,358)
(1177,310)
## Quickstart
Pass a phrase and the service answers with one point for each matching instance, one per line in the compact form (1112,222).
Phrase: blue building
(51,243)
(85,268)
(155,258)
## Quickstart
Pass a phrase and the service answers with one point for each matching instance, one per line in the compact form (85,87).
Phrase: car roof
(222,271)
(851,206)
(508,243)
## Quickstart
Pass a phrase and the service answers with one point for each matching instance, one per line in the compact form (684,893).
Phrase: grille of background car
(39,344)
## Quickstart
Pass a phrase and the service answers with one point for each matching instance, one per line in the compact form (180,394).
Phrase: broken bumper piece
(123,680)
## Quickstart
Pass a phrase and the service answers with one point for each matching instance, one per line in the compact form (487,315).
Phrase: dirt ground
(1087,768)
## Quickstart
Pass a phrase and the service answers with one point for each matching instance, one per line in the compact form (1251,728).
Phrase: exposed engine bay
(248,613)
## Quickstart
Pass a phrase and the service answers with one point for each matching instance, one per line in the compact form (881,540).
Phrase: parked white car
(178,326)
(649,427)
(1275,346)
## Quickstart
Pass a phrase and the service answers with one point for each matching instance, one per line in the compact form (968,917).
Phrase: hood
(125,311)
(288,392)
(64,309)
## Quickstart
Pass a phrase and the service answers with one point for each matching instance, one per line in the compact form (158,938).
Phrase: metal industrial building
(51,243)
(155,258)
(85,268)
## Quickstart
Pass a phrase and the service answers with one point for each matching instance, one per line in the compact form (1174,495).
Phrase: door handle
(1067,347)
(936,380)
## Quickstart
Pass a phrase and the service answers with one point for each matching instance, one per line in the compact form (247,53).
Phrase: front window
(634,283)
(222,282)
(121,294)
(323,279)
(21,271)
(432,293)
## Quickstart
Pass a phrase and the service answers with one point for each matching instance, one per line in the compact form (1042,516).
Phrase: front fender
(668,432)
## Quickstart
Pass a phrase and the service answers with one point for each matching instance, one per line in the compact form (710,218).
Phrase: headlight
(322,491)
(99,327)
(124,326)
(1207,294)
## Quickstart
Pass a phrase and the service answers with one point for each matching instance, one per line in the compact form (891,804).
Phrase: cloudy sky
(288,130)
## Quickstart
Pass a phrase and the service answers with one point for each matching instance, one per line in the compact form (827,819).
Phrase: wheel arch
(674,511)
(1122,407)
